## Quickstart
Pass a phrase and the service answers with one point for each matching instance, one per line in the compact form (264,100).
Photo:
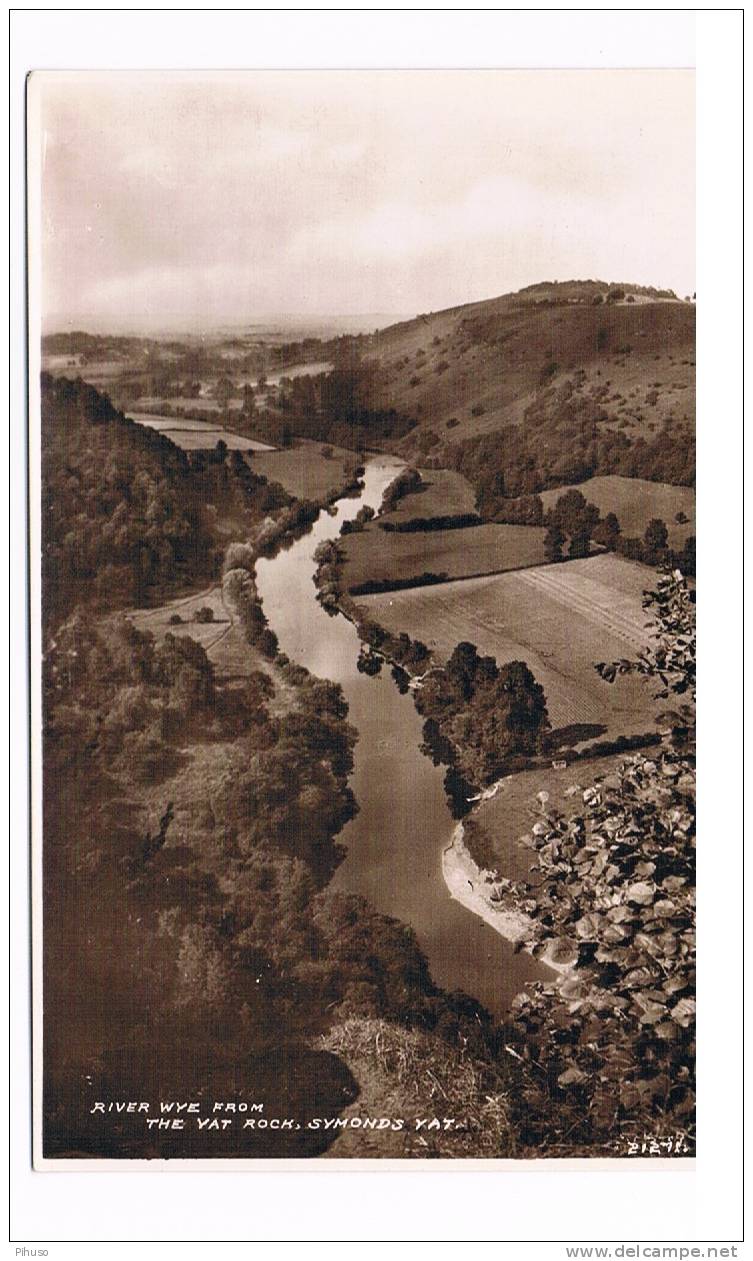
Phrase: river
(394,844)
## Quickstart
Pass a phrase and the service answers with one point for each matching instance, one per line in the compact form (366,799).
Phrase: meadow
(375,555)
(193,435)
(303,471)
(209,405)
(295,370)
(561,620)
(443,492)
(635,502)
(98,372)
(232,656)
(208,634)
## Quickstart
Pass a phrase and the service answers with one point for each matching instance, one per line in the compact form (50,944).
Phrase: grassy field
(208,634)
(233,658)
(560,619)
(376,554)
(153,421)
(635,501)
(494,838)
(295,370)
(303,471)
(442,493)
(192,435)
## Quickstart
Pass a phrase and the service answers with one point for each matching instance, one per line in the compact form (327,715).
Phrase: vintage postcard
(362,447)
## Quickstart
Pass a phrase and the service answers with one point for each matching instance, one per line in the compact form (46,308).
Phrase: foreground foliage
(608,1052)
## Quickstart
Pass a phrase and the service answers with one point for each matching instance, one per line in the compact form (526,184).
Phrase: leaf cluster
(611,898)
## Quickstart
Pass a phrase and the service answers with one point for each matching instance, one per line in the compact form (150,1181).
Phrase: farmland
(442,493)
(375,555)
(635,501)
(560,619)
(303,471)
(179,404)
(194,435)
(99,372)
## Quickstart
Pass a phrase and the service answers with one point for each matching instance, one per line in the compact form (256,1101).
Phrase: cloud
(501,209)
(213,196)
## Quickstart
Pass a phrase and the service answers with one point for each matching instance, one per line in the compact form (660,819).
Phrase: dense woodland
(491,717)
(127,515)
(213,952)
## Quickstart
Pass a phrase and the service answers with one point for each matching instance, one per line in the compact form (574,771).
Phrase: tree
(655,539)
(607,531)
(553,540)
(527,717)
(573,514)
(580,545)
(224,389)
(483,714)
(686,558)
(406,483)
(249,402)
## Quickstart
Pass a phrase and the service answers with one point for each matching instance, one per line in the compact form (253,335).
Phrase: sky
(191,201)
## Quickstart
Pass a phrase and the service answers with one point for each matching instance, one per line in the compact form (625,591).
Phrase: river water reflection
(394,844)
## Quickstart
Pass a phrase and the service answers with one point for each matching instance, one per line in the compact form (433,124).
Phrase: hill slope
(525,392)
(498,355)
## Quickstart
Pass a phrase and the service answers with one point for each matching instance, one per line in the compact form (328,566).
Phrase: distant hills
(549,386)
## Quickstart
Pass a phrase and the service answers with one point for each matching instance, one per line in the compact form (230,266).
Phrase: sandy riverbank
(467,884)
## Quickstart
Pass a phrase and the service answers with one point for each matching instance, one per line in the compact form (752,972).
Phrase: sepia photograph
(366,436)
(371,372)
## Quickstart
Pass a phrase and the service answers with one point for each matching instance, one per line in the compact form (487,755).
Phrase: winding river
(394,844)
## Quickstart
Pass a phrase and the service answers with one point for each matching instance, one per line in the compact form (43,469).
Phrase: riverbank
(468,885)
(392,846)
(472,887)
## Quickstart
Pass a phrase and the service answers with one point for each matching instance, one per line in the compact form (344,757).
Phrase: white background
(453,1200)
